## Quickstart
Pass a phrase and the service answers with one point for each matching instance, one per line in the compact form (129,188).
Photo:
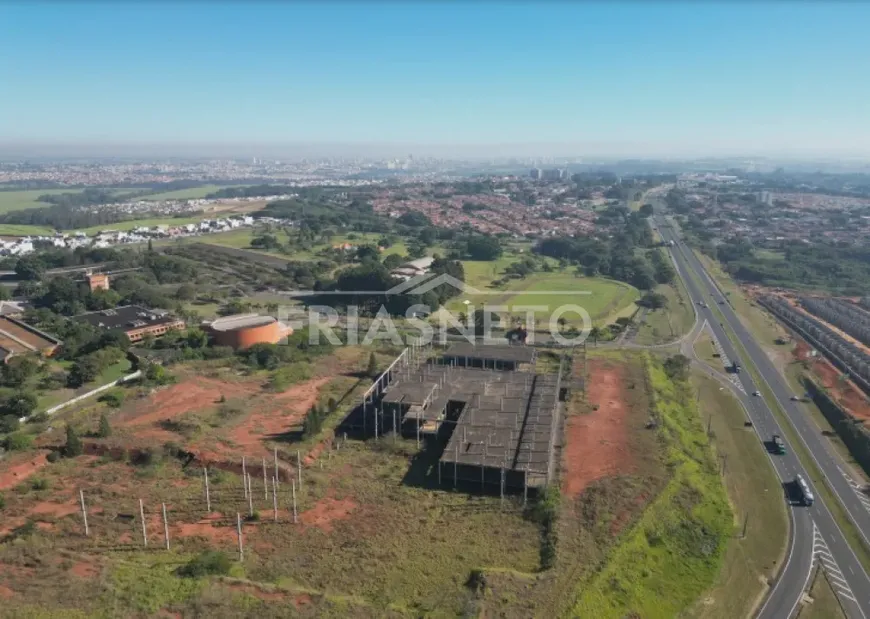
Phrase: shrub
(208,563)
(18,441)
(105,430)
(143,457)
(2,501)
(39,483)
(372,369)
(53,456)
(114,398)
(9,423)
(39,418)
(73,445)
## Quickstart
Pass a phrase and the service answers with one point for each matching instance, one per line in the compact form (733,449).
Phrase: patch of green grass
(150,587)
(136,223)
(188,194)
(824,604)
(24,230)
(20,200)
(753,489)
(706,351)
(604,299)
(676,550)
(667,324)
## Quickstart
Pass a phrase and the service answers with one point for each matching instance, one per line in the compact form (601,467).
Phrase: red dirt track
(596,444)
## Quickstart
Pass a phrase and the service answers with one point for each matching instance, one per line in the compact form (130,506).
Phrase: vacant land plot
(596,444)
(675,551)
(373,538)
(602,498)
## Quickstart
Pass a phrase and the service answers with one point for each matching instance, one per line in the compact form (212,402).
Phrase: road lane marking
(822,556)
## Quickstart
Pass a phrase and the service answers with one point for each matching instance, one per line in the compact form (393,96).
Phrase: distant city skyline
(481,79)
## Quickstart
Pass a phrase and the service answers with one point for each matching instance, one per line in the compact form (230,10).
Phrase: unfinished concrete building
(495,420)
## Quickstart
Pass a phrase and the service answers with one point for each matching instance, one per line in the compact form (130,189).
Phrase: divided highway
(815,535)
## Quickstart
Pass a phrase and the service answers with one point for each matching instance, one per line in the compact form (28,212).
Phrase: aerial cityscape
(435,310)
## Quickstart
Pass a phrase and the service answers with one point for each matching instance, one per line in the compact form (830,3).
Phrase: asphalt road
(815,535)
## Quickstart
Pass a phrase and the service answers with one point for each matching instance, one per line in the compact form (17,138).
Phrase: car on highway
(756,393)
(778,445)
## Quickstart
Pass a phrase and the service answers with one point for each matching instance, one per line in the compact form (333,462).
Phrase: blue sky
(641,77)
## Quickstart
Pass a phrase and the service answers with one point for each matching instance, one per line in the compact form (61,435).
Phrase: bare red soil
(258,593)
(248,437)
(184,397)
(326,511)
(18,469)
(85,569)
(596,444)
(843,391)
(6,593)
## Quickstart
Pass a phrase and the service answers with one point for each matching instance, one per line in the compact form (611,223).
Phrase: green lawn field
(189,194)
(600,297)
(22,230)
(135,223)
(19,200)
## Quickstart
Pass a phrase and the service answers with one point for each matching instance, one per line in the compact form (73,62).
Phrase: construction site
(496,421)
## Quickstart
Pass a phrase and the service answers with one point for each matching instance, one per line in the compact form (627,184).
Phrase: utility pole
(239,531)
(165,527)
(142,518)
(244,477)
(207,495)
(84,513)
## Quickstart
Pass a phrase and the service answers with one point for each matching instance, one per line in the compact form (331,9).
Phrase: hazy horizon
(362,150)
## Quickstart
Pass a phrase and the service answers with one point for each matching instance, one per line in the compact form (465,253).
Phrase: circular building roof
(240,321)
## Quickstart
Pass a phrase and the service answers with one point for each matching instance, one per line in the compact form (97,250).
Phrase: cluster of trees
(369,282)
(251,191)
(832,268)
(482,247)
(617,255)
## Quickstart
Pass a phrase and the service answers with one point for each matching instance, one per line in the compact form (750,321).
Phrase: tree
(19,370)
(186,292)
(30,268)
(9,423)
(372,369)
(21,403)
(105,430)
(483,248)
(677,367)
(646,210)
(414,219)
(392,261)
(196,338)
(73,445)
(84,370)
(595,333)
(653,300)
